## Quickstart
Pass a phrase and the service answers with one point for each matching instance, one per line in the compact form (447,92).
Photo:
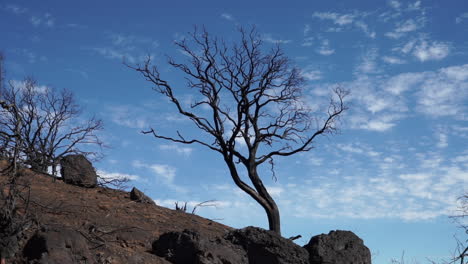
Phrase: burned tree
(51,127)
(251,106)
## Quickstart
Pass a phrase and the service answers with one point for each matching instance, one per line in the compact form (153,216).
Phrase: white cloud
(312,75)
(177,148)
(22,85)
(325,49)
(425,49)
(395,4)
(315,161)
(379,125)
(365,28)
(36,21)
(342,20)
(405,27)
(275,191)
(15,9)
(461,18)
(339,19)
(368,62)
(431,50)
(414,6)
(227,16)
(442,139)
(442,93)
(112,53)
(393,60)
(307,42)
(403,82)
(128,116)
(117,175)
(45,19)
(163,171)
(306,29)
(269,38)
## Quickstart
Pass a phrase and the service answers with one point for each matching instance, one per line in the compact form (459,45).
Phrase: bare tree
(460,254)
(50,124)
(13,220)
(246,95)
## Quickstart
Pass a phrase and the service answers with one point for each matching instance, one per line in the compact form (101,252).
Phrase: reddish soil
(117,228)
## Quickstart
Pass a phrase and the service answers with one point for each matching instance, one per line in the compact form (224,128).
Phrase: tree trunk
(270,207)
(260,194)
(274,221)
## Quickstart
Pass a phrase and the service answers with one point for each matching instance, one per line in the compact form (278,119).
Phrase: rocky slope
(73,224)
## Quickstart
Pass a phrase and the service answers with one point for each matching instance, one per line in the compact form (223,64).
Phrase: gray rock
(189,247)
(58,246)
(342,247)
(263,246)
(139,196)
(77,170)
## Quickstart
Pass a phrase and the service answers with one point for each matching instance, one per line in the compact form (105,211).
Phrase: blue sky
(392,175)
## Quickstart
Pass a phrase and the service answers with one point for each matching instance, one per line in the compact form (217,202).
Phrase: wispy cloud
(461,18)
(30,56)
(128,116)
(346,20)
(47,20)
(365,28)
(177,148)
(128,47)
(442,93)
(227,16)
(393,60)
(164,173)
(16,9)
(368,62)
(307,29)
(425,49)
(336,18)
(431,50)
(325,48)
(405,27)
(312,75)
(269,38)
(117,176)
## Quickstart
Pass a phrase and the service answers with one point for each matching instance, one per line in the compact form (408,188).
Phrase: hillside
(72,224)
(117,228)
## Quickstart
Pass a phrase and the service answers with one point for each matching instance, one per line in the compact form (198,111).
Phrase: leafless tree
(51,127)
(12,221)
(460,254)
(248,95)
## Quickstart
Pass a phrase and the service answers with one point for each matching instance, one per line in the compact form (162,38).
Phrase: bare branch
(246,94)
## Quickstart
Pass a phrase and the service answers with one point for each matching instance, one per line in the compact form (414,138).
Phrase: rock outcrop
(58,246)
(138,196)
(77,170)
(249,245)
(263,246)
(189,246)
(338,246)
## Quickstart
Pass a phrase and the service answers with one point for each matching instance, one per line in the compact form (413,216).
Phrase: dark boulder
(249,245)
(77,170)
(342,247)
(263,246)
(140,197)
(58,246)
(189,247)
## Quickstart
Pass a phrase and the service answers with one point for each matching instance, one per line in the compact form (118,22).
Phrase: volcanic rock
(77,170)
